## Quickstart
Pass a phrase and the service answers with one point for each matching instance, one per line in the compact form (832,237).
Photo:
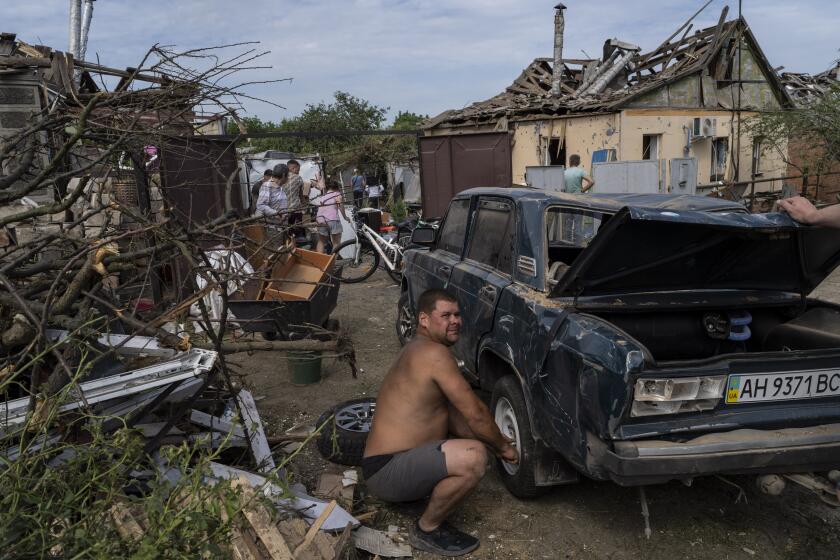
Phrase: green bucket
(305,367)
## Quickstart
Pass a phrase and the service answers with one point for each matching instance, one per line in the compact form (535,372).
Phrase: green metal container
(305,367)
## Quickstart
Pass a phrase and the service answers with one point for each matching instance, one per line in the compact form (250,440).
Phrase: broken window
(556,152)
(650,146)
(574,228)
(491,237)
(720,147)
(454,227)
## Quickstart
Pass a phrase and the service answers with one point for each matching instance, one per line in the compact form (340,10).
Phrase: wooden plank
(260,520)
(330,486)
(313,530)
(128,527)
(667,42)
(343,542)
(253,425)
(242,550)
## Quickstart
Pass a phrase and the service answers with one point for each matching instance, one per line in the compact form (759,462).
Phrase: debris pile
(122,429)
(623,74)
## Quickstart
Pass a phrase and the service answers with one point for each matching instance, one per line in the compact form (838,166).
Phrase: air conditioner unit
(709,127)
(704,127)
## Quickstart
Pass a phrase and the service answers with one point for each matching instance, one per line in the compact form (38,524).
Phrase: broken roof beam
(719,34)
(666,43)
(99,69)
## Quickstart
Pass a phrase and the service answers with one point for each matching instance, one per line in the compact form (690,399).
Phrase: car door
(478,280)
(432,269)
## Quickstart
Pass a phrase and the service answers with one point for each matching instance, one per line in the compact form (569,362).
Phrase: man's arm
(587,179)
(461,396)
(801,210)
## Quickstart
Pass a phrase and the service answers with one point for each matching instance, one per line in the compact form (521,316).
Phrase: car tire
(511,415)
(344,435)
(406,321)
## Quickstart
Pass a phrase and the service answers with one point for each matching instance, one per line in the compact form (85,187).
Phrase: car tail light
(676,395)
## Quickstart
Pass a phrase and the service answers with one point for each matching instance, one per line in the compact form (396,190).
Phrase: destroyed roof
(622,75)
(806,88)
(58,68)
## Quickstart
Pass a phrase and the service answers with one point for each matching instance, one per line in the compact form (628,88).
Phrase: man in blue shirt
(357,181)
(575,176)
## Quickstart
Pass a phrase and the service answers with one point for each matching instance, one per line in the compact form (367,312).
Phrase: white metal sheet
(627,177)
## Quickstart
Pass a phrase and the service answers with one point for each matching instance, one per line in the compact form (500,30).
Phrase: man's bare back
(411,408)
(423,399)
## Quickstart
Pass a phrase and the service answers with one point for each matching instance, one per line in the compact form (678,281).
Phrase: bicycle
(363,253)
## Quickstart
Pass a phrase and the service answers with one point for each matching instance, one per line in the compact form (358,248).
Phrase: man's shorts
(332,227)
(408,475)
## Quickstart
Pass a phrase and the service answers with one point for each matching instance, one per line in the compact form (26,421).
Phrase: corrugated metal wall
(451,164)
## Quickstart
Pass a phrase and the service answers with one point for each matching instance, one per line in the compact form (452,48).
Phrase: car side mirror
(423,236)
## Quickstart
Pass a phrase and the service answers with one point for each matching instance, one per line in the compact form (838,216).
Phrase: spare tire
(344,435)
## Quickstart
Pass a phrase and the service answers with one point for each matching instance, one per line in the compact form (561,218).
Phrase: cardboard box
(295,276)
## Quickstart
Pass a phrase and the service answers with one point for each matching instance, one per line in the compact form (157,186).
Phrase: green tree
(812,130)
(345,112)
(406,120)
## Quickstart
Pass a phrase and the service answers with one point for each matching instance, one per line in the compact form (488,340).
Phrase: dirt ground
(714,518)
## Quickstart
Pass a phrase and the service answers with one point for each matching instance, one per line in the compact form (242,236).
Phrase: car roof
(608,202)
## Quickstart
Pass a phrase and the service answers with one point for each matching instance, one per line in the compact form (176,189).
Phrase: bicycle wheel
(348,269)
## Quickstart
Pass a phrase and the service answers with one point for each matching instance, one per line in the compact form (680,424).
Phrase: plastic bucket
(305,367)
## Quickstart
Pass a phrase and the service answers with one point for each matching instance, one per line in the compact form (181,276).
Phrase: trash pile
(171,398)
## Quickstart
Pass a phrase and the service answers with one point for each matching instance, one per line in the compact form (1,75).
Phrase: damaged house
(673,117)
(823,182)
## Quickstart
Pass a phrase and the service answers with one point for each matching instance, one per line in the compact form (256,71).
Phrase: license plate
(783,386)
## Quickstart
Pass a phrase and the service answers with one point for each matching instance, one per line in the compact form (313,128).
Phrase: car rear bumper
(787,450)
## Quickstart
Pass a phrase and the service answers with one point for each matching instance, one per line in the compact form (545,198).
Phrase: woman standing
(329,205)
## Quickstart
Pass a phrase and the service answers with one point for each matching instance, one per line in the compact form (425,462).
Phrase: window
(556,152)
(601,156)
(454,227)
(491,235)
(756,158)
(720,147)
(650,146)
(573,228)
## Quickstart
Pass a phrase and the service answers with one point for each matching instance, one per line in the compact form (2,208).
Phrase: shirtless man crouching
(423,402)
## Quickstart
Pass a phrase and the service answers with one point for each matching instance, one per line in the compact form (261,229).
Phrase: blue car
(639,338)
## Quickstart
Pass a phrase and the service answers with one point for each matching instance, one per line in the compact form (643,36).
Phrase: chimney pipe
(557,69)
(75,27)
(87,15)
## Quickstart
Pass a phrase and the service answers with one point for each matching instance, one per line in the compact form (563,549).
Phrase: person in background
(255,190)
(575,176)
(801,210)
(294,189)
(329,226)
(373,194)
(272,200)
(306,185)
(358,182)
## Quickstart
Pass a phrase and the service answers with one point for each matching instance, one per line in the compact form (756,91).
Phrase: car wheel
(342,440)
(406,322)
(511,415)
